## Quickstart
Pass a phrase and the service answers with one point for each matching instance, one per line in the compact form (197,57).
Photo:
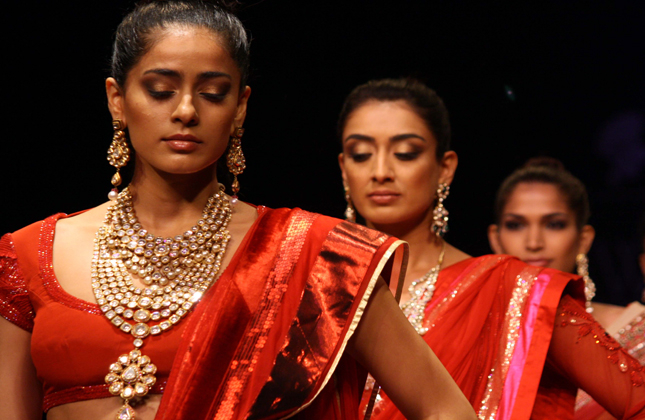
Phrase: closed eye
(513,225)
(360,157)
(407,156)
(161,94)
(214,97)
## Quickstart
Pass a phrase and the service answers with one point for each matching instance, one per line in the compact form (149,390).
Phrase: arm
(582,351)
(412,376)
(20,390)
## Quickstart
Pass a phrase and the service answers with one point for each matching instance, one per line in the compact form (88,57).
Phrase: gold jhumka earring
(235,161)
(118,155)
(350,212)
(440,214)
(582,267)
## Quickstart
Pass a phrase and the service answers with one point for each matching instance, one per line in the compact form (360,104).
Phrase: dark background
(575,68)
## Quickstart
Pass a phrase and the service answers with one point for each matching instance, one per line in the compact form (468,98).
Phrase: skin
(538,226)
(389,163)
(169,92)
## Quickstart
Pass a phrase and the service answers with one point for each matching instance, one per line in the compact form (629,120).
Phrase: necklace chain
(421,291)
(176,273)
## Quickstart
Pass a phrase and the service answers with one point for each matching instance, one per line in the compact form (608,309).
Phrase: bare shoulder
(88,221)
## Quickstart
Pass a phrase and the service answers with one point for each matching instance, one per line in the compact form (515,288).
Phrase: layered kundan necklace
(176,273)
(421,292)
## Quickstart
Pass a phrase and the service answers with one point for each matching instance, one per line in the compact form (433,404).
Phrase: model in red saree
(269,337)
(266,341)
(518,349)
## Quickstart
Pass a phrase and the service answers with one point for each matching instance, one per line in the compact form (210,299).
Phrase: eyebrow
(202,76)
(393,139)
(520,216)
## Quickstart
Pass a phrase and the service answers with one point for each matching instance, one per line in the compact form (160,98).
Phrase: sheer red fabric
(492,324)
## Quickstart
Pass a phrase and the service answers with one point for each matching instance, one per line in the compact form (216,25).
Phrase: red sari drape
(491,321)
(267,340)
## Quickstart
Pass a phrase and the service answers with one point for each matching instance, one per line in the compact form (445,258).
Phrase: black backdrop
(576,71)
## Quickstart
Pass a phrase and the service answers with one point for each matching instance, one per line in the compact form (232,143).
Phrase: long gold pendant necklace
(421,292)
(176,271)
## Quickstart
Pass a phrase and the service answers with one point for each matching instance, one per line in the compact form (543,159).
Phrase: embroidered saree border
(248,353)
(15,306)
(513,320)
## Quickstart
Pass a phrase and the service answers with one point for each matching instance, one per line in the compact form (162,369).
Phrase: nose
(186,113)
(382,170)
(534,239)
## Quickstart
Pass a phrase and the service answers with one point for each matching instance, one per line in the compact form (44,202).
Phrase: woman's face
(181,101)
(538,227)
(390,165)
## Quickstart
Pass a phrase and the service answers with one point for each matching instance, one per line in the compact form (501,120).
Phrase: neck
(169,204)
(424,245)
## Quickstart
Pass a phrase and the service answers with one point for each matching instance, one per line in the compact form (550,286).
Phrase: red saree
(267,340)
(491,323)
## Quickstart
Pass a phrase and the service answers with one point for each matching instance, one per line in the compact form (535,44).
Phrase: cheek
(512,243)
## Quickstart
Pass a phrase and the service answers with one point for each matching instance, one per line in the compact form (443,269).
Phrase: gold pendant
(131,376)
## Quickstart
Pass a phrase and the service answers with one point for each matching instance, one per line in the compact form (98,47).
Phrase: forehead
(376,118)
(536,198)
(187,49)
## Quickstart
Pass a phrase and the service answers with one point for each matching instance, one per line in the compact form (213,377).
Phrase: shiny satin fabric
(490,321)
(269,337)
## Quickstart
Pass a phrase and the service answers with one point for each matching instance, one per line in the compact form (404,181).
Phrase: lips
(383,196)
(538,262)
(182,142)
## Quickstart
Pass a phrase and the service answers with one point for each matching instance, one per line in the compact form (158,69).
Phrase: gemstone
(142,315)
(138,342)
(150,369)
(145,302)
(125,413)
(124,359)
(110,314)
(140,389)
(165,325)
(149,380)
(126,327)
(175,319)
(135,354)
(140,330)
(131,374)
(115,388)
(154,330)
(115,367)
(127,392)
(111,377)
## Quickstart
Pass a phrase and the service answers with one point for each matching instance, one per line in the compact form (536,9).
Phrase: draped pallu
(267,339)
(491,322)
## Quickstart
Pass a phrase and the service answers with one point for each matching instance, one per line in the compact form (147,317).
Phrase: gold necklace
(176,271)
(421,291)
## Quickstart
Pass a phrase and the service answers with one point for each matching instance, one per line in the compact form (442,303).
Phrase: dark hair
(134,35)
(546,170)
(423,100)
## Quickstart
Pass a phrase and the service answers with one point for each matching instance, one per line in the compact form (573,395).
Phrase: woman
(247,313)
(504,330)
(541,215)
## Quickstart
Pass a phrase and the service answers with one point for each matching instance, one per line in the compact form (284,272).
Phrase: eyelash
(161,94)
(555,225)
(407,156)
(165,94)
(360,157)
(512,225)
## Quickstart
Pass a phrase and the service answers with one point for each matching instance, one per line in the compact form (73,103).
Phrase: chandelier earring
(236,161)
(350,212)
(582,267)
(118,155)
(440,214)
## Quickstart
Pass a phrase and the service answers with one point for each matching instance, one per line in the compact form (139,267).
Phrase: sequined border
(46,268)
(512,325)
(17,309)
(247,355)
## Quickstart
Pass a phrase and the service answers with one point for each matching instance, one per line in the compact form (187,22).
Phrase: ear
(115,97)
(341,163)
(587,235)
(240,114)
(448,166)
(493,239)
